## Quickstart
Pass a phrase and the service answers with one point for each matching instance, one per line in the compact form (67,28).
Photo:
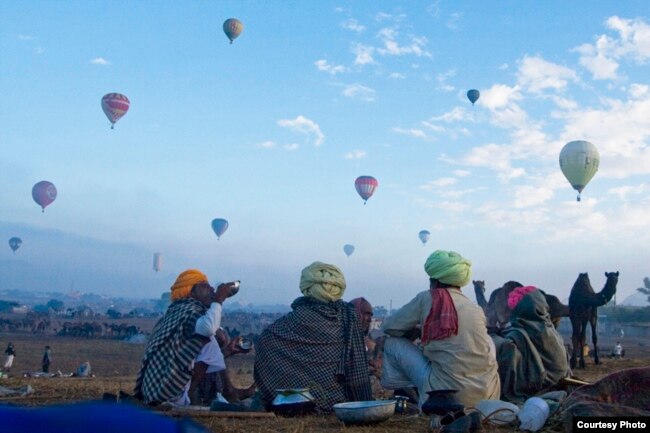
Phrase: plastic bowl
(364,412)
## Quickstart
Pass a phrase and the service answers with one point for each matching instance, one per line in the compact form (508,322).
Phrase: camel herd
(582,309)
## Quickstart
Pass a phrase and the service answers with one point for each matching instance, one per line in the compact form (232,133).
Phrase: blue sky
(271,131)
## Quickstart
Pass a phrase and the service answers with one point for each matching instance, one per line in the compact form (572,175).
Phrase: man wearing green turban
(455,351)
(319,345)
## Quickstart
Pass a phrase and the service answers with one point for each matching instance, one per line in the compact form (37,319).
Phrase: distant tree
(113,313)
(7,306)
(645,290)
(379,311)
(40,308)
(162,303)
(55,305)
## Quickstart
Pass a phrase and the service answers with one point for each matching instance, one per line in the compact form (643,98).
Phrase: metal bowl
(364,412)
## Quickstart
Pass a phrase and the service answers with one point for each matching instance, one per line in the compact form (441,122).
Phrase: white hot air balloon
(579,161)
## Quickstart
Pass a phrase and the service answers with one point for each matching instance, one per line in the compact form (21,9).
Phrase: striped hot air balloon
(366,186)
(115,105)
(232,27)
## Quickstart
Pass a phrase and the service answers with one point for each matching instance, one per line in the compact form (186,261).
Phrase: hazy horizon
(270,133)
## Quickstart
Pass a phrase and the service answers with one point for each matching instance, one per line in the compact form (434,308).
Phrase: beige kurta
(466,361)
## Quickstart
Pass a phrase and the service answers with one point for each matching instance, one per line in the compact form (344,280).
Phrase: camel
(496,309)
(583,308)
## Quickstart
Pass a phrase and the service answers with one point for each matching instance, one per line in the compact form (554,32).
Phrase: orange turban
(184,283)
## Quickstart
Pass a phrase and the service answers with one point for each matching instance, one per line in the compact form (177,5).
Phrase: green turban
(449,267)
(323,282)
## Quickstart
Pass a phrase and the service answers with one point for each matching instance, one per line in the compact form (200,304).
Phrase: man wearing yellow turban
(456,351)
(318,345)
(188,324)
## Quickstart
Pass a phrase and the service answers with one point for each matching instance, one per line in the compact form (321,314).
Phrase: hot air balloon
(348,249)
(156,262)
(473,95)
(115,105)
(232,27)
(366,186)
(15,243)
(579,161)
(424,236)
(44,193)
(219,225)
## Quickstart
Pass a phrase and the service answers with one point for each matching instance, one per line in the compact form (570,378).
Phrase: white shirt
(208,324)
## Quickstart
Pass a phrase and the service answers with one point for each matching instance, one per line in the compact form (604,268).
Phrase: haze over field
(271,132)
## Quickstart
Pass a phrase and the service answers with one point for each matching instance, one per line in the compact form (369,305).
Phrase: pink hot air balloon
(44,193)
(366,186)
(115,105)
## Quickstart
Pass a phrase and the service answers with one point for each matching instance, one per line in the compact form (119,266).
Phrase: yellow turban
(323,282)
(449,267)
(184,283)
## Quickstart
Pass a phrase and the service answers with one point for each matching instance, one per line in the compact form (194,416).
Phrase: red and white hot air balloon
(366,186)
(115,105)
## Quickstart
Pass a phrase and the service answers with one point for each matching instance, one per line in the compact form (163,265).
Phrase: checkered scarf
(171,349)
(319,345)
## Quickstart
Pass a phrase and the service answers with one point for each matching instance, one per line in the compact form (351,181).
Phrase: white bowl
(364,412)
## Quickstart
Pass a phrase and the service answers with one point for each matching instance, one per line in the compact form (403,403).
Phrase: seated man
(456,351)
(618,351)
(319,345)
(192,318)
(210,374)
(531,352)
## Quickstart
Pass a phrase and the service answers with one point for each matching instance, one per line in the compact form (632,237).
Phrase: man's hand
(223,291)
(233,347)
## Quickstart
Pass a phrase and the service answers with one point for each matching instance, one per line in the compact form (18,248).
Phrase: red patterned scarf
(442,321)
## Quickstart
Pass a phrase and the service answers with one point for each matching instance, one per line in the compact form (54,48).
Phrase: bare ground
(115,364)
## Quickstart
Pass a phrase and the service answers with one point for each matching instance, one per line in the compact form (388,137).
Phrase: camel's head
(479,284)
(612,276)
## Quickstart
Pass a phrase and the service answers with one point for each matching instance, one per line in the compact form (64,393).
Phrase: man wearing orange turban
(192,318)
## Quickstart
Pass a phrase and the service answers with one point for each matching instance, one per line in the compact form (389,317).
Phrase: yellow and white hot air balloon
(579,161)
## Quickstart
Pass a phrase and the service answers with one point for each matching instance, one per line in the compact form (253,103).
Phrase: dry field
(115,364)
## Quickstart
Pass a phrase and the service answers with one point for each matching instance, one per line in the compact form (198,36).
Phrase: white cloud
(39,50)
(495,157)
(461,173)
(302,125)
(412,132)
(444,181)
(396,75)
(455,115)
(453,20)
(26,37)
(639,91)
(499,96)
(632,41)
(529,196)
(536,74)
(267,144)
(352,24)
(290,147)
(442,80)
(324,66)
(355,154)
(359,91)
(363,54)
(393,48)
(100,61)
(624,191)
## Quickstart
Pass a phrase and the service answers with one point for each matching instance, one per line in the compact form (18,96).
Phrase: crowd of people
(437,341)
